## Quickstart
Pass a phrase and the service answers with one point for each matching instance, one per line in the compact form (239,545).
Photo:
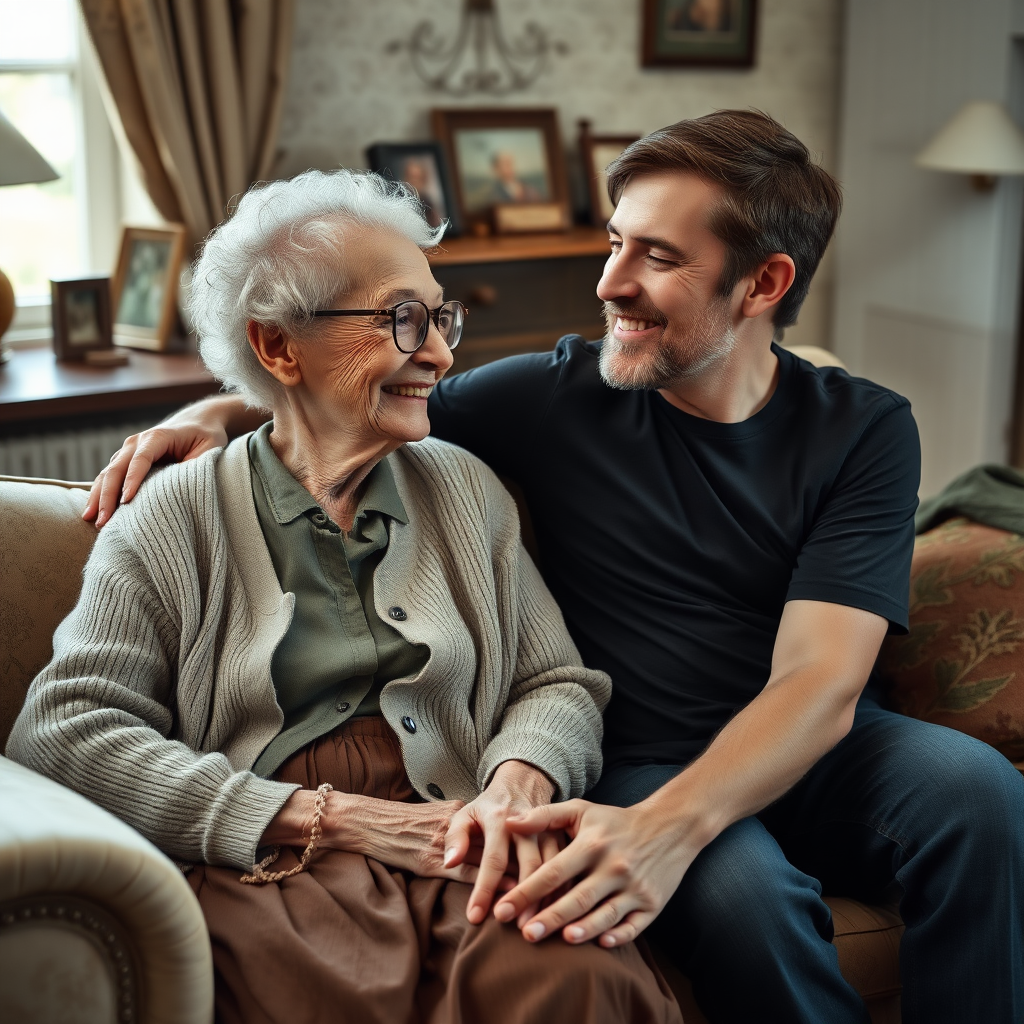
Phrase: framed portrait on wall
(145,289)
(708,33)
(597,152)
(502,157)
(423,166)
(81,316)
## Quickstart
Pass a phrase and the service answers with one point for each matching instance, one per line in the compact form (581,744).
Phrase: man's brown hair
(775,198)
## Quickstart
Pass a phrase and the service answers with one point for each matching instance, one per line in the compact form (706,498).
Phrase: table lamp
(982,141)
(20,164)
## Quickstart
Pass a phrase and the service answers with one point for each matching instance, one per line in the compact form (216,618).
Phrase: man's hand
(183,436)
(632,859)
(516,788)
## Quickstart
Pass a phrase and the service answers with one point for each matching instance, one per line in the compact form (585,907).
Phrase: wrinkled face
(665,322)
(353,375)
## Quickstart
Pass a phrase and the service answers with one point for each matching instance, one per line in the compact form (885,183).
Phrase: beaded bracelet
(259,873)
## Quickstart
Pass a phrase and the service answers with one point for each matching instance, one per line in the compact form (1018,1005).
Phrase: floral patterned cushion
(962,664)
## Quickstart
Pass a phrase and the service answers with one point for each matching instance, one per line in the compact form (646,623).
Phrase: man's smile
(627,327)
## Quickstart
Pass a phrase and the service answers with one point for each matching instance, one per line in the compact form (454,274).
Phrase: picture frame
(502,155)
(698,33)
(597,152)
(81,316)
(424,166)
(145,287)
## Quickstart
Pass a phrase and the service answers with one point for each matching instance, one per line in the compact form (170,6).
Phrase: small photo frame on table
(703,33)
(502,157)
(81,316)
(598,151)
(145,288)
(423,166)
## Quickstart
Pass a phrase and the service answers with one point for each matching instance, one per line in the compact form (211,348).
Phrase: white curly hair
(280,256)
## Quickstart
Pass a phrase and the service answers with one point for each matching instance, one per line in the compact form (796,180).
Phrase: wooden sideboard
(35,388)
(523,291)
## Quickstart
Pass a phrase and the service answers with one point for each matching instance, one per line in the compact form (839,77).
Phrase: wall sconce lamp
(20,164)
(982,140)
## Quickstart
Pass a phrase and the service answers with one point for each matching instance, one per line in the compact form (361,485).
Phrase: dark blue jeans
(898,807)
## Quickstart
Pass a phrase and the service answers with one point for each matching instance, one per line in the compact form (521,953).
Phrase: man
(728,531)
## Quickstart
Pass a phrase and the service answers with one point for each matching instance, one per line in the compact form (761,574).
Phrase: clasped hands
(608,882)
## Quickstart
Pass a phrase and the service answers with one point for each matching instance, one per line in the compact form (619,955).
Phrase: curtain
(199,87)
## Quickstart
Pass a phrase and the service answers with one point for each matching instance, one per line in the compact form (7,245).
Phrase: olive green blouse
(338,653)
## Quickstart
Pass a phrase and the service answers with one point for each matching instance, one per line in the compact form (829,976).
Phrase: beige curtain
(199,86)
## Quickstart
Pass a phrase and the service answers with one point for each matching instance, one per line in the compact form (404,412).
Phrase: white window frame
(97,174)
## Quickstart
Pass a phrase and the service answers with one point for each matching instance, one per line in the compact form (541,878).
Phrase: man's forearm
(229,412)
(759,755)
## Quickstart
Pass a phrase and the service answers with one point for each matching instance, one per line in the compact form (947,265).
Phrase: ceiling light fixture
(479,58)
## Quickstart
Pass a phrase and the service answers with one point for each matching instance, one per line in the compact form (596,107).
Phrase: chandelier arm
(524,65)
(450,58)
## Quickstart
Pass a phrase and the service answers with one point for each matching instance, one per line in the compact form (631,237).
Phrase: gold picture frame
(144,294)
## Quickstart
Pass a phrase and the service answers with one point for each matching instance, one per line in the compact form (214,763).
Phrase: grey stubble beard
(669,362)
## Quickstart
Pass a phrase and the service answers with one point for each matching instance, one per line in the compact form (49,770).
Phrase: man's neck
(731,390)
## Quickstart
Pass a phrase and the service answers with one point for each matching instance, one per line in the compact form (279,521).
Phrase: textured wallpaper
(346,91)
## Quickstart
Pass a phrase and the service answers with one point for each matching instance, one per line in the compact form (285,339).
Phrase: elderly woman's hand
(515,788)
(402,835)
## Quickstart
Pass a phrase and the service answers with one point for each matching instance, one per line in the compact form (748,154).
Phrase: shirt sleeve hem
(853,597)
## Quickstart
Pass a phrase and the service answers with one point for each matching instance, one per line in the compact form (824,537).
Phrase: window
(50,90)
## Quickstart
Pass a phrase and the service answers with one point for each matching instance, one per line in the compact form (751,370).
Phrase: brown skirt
(351,940)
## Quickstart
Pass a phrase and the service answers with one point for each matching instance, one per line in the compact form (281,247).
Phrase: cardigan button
(435,791)
(398,614)
(343,705)
(408,724)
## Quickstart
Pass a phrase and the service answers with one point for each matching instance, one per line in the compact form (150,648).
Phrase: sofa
(97,925)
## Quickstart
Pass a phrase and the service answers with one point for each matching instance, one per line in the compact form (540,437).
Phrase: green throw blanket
(992,495)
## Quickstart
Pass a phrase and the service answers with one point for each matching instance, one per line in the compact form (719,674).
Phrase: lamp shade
(20,164)
(981,139)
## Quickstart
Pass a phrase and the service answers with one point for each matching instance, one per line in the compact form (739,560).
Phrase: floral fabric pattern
(962,663)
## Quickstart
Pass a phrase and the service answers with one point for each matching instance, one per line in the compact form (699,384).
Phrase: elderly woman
(317,664)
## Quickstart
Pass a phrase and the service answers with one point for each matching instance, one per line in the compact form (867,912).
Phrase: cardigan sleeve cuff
(573,771)
(242,811)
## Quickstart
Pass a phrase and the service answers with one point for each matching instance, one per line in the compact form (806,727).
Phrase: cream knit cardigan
(159,697)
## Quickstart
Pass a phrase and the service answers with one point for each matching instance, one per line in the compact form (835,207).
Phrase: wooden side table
(523,291)
(34,387)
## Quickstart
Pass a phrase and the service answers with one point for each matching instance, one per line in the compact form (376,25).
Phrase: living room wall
(346,91)
(929,268)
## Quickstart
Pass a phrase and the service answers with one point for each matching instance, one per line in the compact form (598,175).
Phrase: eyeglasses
(410,321)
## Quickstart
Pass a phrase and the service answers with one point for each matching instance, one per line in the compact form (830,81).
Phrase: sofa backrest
(44,544)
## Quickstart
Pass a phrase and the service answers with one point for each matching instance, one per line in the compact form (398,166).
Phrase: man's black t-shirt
(672,542)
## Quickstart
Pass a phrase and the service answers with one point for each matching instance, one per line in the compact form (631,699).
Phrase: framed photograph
(424,166)
(145,289)
(708,33)
(81,316)
(598,151)
(502,156)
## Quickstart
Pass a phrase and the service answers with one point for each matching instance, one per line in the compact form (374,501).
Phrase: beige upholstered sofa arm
(91,911)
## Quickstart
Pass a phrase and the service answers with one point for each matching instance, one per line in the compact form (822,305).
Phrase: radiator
(64,455)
